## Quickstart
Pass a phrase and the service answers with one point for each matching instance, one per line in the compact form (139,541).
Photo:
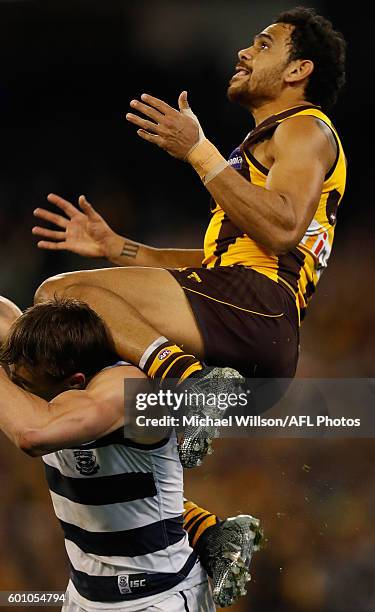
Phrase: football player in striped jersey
(62,398)
(239,300)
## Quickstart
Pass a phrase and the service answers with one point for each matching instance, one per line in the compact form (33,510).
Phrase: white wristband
(207,160)
(201,137)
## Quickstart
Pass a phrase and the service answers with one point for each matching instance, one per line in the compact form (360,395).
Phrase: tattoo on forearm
(130,250)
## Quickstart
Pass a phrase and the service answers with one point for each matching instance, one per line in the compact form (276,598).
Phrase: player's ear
(77,381)
(298,70)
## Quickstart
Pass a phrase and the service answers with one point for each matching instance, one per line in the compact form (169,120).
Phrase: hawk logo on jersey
(86,462)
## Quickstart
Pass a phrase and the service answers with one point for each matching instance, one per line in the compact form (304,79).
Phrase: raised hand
(83,231)
(175,131)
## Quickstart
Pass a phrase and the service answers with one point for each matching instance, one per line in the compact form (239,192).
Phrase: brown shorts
(247,321)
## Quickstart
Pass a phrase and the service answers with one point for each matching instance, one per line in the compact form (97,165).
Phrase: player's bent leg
(159,358)
(138,328)
(248,323)
(151,294)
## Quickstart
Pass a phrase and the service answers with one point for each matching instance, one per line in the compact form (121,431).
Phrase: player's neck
(275,107)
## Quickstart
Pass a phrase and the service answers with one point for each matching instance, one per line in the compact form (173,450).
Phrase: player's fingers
(46,215)
(88,208)
(47,233)
(154,128)
(183,103)
(147,110)
(158,140)
(161,106)
(64,205)
(51,246)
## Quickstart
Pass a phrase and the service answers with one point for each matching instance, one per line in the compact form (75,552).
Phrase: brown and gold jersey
(300,269)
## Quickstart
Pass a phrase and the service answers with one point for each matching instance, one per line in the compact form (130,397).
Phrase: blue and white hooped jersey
(120,505)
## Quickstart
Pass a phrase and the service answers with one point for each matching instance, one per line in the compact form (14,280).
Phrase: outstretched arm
(277,215)
(85,232)
(38,427)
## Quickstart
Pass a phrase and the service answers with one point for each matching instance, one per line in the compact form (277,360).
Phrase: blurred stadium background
(68,71)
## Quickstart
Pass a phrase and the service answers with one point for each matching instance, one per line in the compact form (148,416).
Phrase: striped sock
(163,359)
(196,522)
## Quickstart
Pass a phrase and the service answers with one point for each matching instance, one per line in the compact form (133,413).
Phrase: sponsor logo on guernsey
(86,462)
(126,584)
(164,354)
(236,159)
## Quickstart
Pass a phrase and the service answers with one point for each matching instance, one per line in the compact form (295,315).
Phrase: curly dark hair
(315,39)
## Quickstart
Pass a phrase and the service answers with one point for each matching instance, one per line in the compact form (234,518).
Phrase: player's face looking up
(262,68)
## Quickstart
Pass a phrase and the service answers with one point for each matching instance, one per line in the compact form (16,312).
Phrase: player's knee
(78,291)
(47,289)
(8,309)
(9,312)
(56,286)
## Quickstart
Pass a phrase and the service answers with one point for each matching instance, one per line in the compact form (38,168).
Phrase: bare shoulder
(306,132)
(303,137)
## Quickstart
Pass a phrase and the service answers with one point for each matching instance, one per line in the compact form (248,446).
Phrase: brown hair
(62,336)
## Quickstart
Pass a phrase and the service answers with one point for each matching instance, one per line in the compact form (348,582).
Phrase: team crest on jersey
(123,584)
(236,159)
(127,585)
(86,462)
(164,354)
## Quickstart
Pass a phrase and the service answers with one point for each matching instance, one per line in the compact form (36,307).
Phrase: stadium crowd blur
(68,71)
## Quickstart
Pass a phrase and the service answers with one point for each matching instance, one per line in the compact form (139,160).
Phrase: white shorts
(195,599)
